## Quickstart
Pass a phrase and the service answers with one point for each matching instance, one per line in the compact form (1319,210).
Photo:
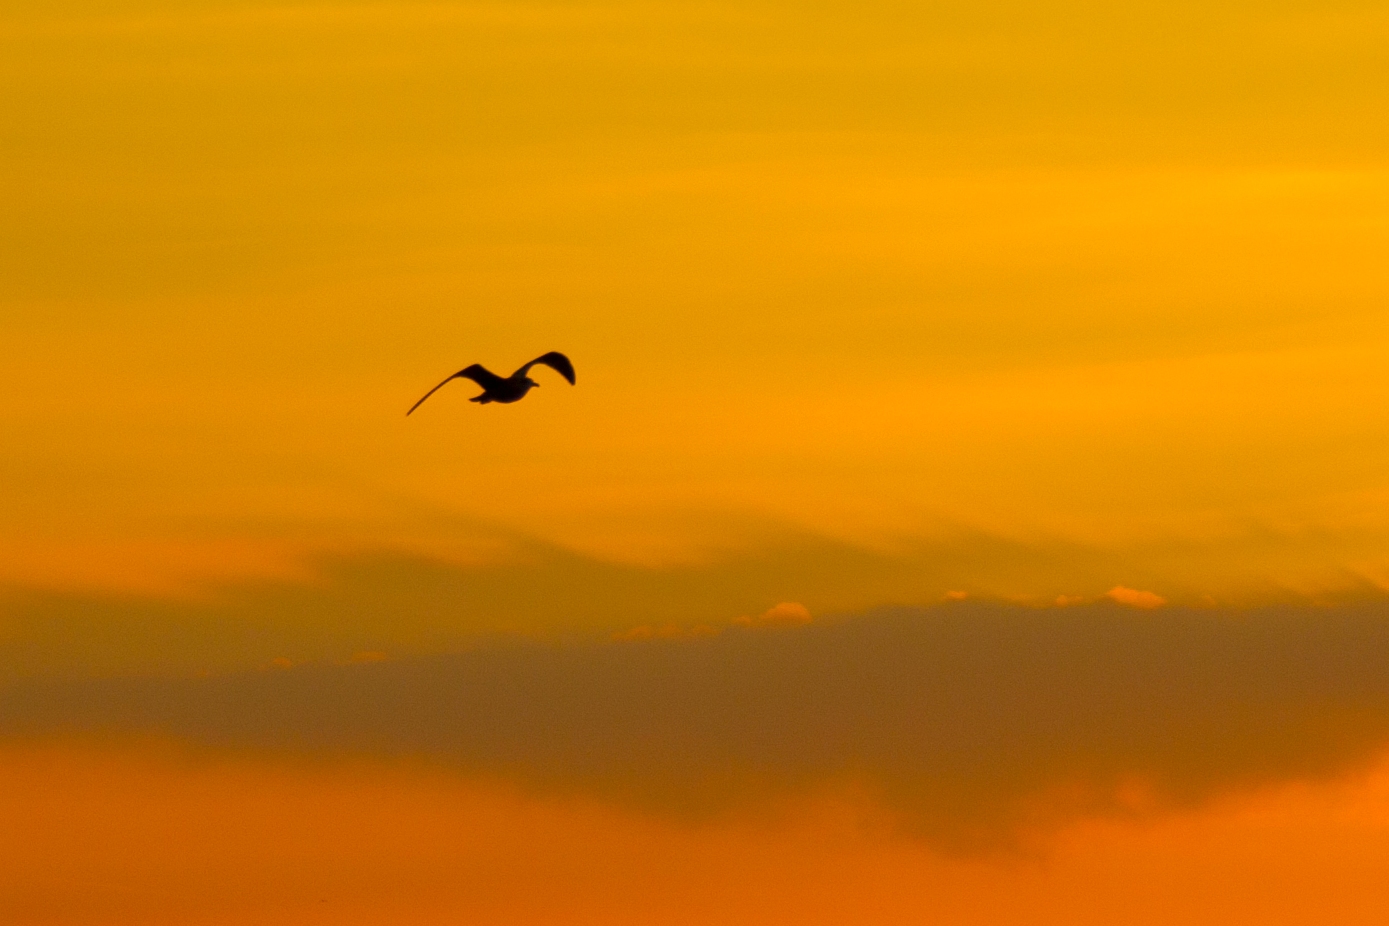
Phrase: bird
(511,389)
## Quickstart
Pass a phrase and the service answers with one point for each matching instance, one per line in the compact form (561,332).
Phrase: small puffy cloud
(1135,598)
(786,613)
(956,596)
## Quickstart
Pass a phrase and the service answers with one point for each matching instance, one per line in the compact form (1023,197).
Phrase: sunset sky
(973,507)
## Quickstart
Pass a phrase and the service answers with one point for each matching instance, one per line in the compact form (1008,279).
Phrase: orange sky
(1069,313)
(115,835)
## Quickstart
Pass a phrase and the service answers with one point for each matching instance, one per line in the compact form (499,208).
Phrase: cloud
(402,605)
(782,614)
(971,723)
(1135,598)
(410,605)
(405,605)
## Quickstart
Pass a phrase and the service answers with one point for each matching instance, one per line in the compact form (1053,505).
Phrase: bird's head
(531,383)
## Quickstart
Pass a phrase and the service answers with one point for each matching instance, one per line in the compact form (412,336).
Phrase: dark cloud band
(967,721)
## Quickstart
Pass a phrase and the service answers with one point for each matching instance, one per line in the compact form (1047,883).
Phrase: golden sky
(1074,311)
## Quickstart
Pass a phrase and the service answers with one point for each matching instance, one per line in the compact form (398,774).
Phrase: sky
(972,507)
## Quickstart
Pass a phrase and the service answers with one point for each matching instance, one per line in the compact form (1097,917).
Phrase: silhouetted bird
(511,389)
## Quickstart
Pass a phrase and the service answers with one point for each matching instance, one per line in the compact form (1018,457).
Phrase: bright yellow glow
(1067,276)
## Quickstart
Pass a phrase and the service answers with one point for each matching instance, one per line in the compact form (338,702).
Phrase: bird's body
(508,389)
(496,389)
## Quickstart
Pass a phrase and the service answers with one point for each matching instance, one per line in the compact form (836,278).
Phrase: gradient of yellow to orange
(1056,273)
(871,303)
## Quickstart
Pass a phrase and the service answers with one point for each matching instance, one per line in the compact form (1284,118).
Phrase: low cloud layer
(405,605)
(972,723)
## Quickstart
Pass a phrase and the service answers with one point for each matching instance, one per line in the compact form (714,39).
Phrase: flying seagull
(511,389)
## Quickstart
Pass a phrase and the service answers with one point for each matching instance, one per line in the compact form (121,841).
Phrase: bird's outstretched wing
(555,361)
(477,373)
